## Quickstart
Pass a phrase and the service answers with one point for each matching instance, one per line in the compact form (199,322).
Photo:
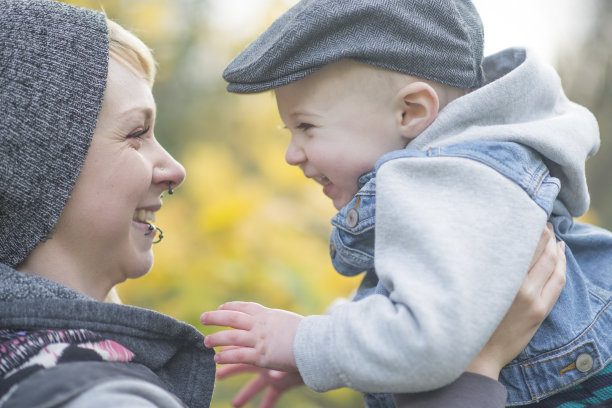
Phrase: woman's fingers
(547,234)
(553,287)
(544,264)
(543,284)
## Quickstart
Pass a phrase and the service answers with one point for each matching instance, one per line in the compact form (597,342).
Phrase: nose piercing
(154,228)
(170,191)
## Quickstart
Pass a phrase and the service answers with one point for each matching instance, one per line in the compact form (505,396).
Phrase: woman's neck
(50,262)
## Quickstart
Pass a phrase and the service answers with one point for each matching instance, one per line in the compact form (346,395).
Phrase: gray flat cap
(53,67)
(439,40)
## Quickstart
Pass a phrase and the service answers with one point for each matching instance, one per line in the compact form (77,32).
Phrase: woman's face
(126,170)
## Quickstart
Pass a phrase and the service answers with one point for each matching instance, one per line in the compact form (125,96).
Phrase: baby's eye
(138,133)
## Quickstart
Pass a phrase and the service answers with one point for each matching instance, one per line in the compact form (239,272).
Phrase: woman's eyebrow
(148,113)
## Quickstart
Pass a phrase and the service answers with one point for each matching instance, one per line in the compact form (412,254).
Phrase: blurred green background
(245,226)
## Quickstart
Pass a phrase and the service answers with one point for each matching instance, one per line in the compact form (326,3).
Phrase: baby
(444,167)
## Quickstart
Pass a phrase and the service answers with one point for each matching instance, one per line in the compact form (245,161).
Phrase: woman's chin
(140,265)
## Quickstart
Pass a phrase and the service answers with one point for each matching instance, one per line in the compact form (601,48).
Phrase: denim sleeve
(454,239)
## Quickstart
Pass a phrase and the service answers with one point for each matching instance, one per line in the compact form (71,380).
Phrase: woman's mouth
(144,216)
(143,220)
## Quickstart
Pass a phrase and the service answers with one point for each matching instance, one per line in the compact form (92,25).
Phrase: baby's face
(340,123)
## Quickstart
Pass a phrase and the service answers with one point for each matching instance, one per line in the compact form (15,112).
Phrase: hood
(172,349)
(523,102)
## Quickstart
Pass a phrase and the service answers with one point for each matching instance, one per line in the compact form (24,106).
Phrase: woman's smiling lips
(145,216)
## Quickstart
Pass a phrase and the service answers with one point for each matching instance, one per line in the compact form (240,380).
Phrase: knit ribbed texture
(439,40)
(53,67)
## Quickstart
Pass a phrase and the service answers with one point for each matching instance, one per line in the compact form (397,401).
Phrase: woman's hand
(534,301)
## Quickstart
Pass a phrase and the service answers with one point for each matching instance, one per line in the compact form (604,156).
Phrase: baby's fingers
(250,390)
(224,338)
(244,355)
(270,397)
(250,308)
(227,318)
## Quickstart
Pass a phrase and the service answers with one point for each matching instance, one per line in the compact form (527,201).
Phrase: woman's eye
(304,126)
(138,133)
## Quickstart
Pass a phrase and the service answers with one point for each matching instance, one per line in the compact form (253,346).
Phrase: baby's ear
(417,108)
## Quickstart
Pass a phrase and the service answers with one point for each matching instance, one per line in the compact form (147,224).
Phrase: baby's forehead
(358,76)
(341,82)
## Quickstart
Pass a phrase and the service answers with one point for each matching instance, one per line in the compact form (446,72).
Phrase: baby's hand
(262,337)
(274,383)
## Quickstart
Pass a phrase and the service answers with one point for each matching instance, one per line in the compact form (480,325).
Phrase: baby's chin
(340,197)
(339,203)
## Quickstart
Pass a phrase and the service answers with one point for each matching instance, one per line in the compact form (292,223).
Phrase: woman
(76,121)
(81,176)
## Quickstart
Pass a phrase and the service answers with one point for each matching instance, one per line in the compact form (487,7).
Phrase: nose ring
(170,191)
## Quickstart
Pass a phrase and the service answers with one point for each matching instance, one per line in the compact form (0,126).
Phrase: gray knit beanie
(439,40)
(53,67)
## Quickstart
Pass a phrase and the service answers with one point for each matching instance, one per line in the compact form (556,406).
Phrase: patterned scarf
(23,353)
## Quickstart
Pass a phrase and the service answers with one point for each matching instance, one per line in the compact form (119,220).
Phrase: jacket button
(332,250)
(584,362)
(352,217)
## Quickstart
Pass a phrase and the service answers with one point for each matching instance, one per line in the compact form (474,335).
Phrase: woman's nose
(295,154)
(168,172)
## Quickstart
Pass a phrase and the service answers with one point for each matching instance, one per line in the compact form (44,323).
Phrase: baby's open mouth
(324,181)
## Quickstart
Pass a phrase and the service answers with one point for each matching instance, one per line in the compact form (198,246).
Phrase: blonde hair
(129,50)
(113,297)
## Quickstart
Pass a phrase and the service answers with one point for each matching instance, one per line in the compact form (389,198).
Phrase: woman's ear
(417,107)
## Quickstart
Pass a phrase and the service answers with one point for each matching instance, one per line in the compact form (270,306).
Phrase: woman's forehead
(126,92)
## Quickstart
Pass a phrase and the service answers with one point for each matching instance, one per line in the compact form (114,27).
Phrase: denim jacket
(573,343)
